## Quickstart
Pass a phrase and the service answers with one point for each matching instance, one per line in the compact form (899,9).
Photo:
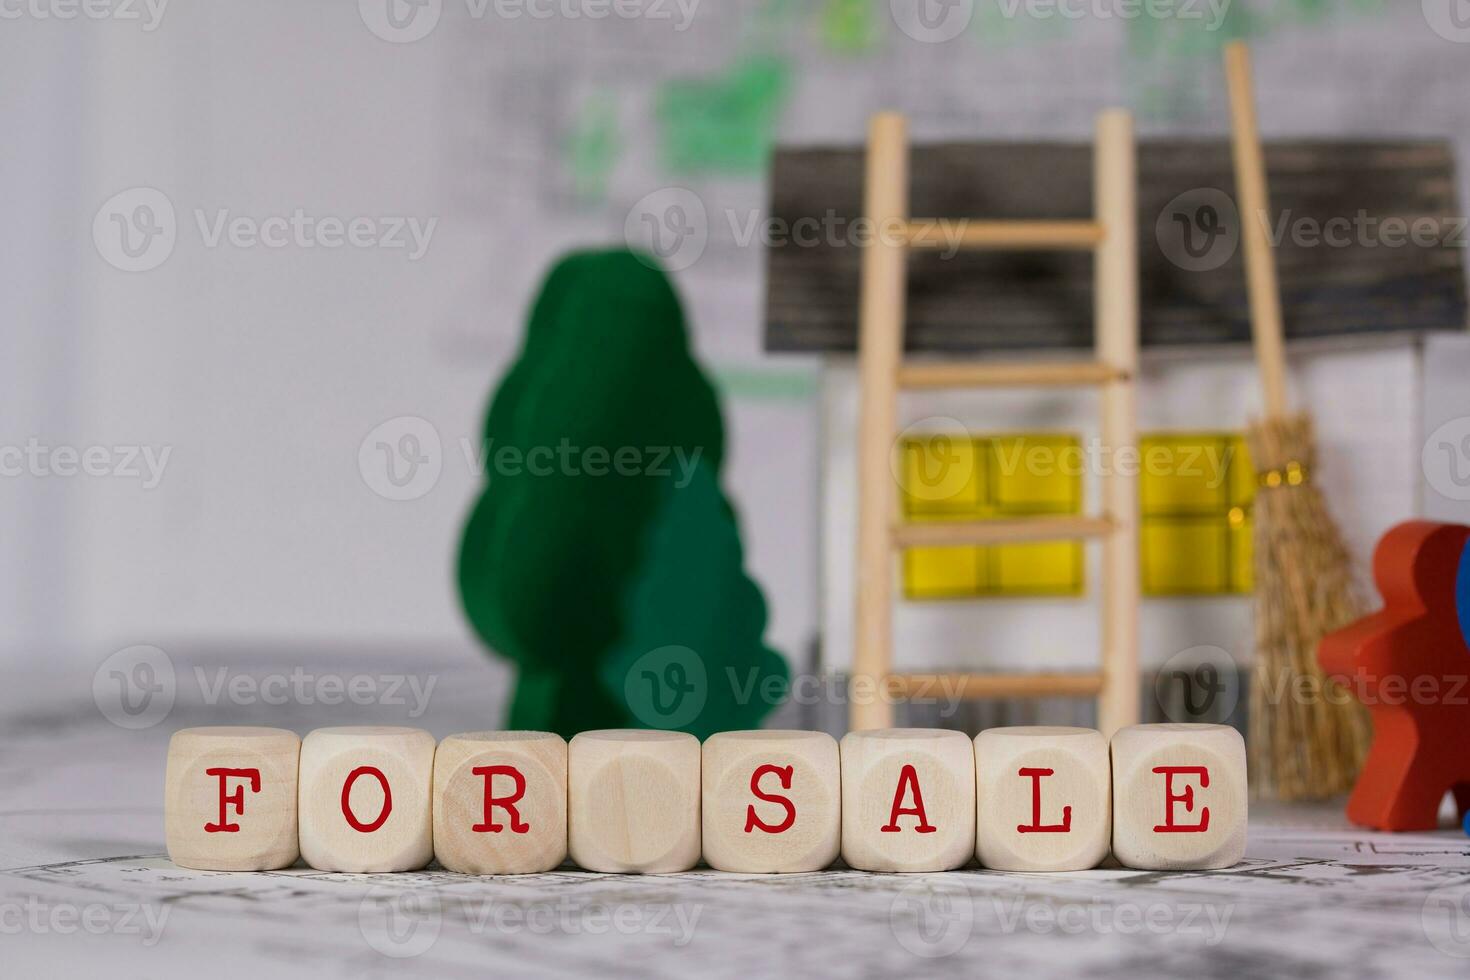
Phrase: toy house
(1373,286)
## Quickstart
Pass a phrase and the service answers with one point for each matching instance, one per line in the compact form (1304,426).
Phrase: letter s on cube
(772,801)
(500,802)
(230,798)
(365,799)
(1180,798)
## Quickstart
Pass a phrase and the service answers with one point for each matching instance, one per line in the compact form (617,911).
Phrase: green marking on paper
(593,148)
(725,124)
(848,26)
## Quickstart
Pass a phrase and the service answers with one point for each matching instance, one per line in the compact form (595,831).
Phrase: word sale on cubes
(1158,797)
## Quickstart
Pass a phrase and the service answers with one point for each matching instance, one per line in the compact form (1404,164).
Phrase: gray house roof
(1006,300)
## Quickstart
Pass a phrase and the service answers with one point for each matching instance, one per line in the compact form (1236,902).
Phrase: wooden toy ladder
(1112,236)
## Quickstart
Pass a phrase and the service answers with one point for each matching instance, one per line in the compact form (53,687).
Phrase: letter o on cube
(908,799)
(1179,797)
(500,802)
(366,799)
(772,801)
(633,801)
(230,798)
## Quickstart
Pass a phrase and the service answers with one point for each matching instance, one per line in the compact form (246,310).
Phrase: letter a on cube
(500,802)
(230,798)
(1045,798)
(908,799)
(1179,797)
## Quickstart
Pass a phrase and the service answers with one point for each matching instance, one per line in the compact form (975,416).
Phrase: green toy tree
(692,657)
(603,407)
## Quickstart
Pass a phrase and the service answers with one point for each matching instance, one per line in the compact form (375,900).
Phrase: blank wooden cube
(1044,798)
(772,801)
(366,796)
(633,801)
(500,802)
(1179,797)
(230,798)
(908,799)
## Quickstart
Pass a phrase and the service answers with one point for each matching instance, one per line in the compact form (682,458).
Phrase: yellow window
(949,478)
(1196,493)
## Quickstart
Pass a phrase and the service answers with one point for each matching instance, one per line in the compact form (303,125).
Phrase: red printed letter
(907,777)
(235,799)
(752,821)
(1186,797)
(1035,826)
(517,825)
(366,828)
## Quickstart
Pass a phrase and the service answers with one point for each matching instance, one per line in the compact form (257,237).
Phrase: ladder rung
(979,374)
(975,686)
(966,233)
(942,533)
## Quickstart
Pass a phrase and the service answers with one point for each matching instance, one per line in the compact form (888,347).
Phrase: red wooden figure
(1410,665)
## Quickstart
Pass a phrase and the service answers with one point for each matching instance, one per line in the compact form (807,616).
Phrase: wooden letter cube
(500,802)
(1179,797)
(772,801)
(633,801)
(230,798)
(1044,799)
(366,796)
(908,799)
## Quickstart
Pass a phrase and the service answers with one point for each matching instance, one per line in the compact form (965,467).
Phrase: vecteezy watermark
(1199,684)
(668,688)
(932,21)
(1205,921)
(932,918)
(1366,688)
(673,228)
(137,687)
(1450,19)
(38,917)
(148,14)
(1199,230)
(405,21)
(137,229)
(1445,918)
(1446,459)
(403,458)
(146,464)
(936,459)
(1210,13)
(406,922)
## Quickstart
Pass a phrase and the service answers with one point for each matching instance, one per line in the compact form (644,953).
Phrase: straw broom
(1307,738)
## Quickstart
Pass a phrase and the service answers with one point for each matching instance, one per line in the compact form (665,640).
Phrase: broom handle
(1260,261)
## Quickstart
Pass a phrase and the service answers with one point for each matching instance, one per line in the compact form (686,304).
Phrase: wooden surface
(1206,830)
(1115,193)
(230,798)
(402,838)
(1254,199)
(1044,799)
(633,801)
(984,301)
(908,800)
(772,801)
(882,293)
(473,838)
